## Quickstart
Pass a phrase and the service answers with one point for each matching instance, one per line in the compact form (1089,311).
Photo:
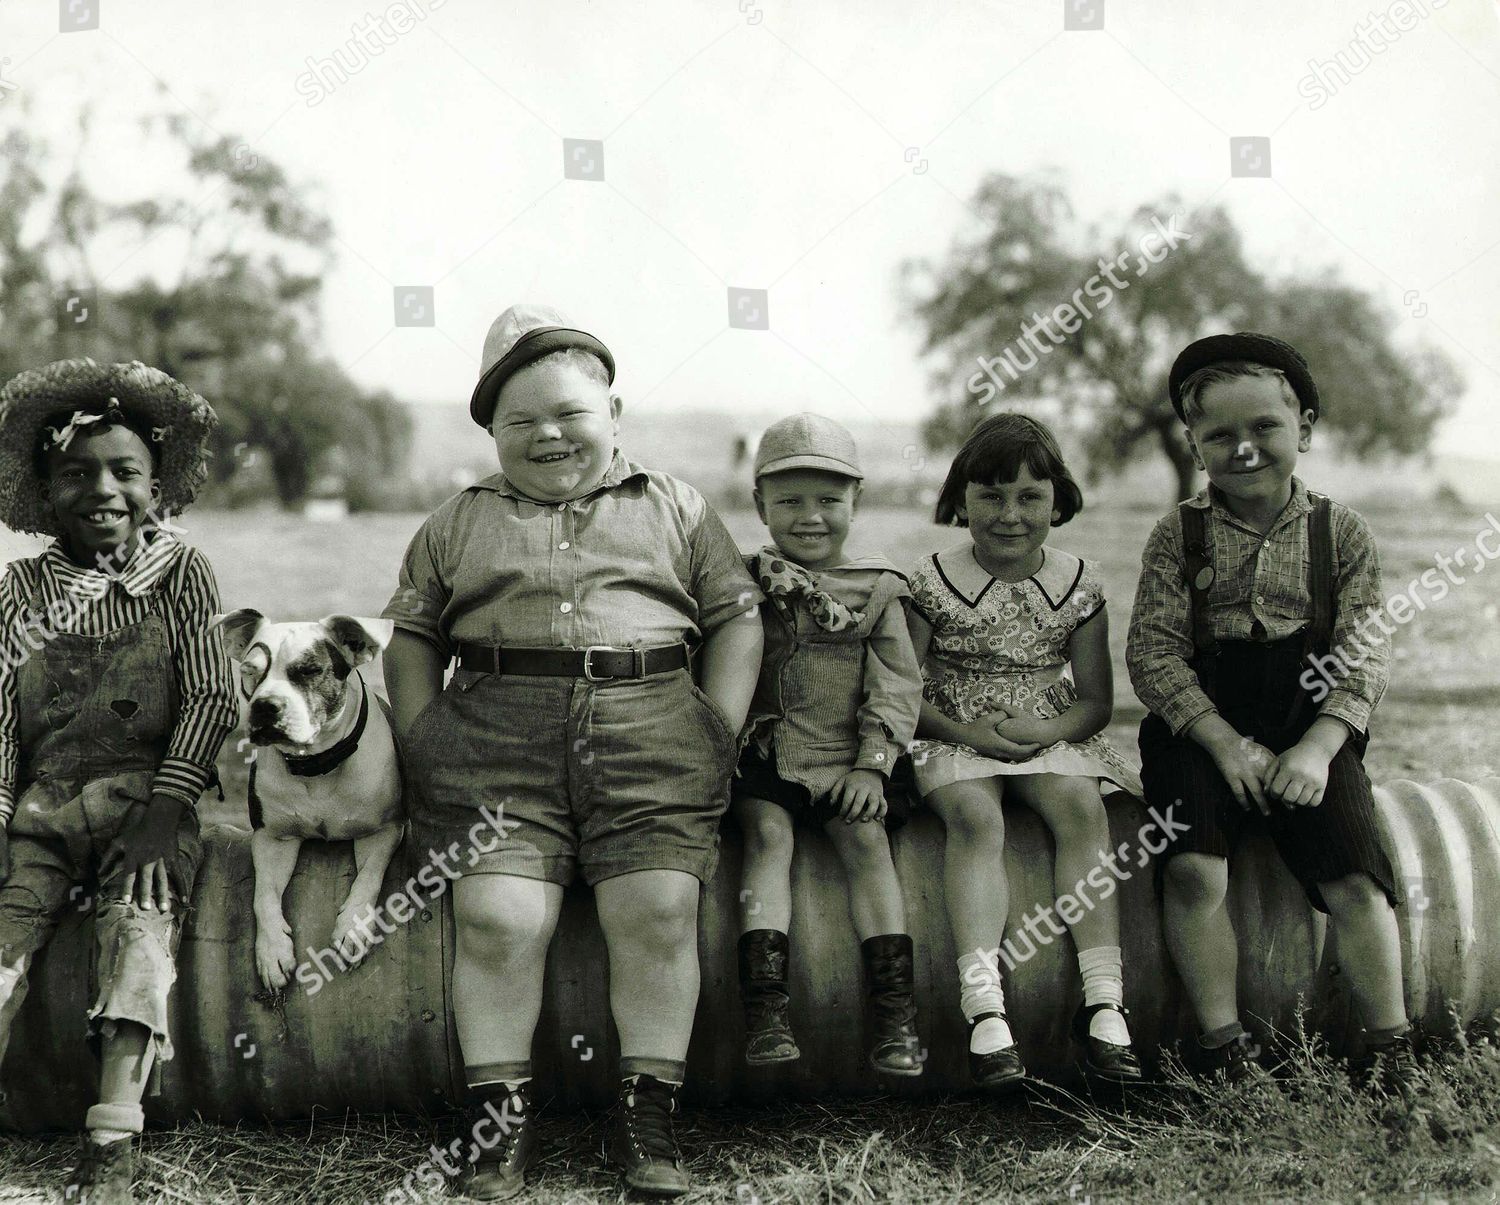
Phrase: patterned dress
(1005,644)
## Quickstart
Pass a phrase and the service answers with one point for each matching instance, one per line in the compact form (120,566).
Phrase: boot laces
(648,1118)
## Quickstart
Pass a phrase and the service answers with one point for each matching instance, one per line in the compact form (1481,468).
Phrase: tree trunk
(1174,445)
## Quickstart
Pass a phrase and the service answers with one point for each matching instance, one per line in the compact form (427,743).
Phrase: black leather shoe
(1105,1060)
(1234,1062)
(1000,1070)
(895,1048)
(501,1143)
(643,1143)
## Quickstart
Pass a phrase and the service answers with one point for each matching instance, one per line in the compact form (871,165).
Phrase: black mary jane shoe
(1107,1061)
(1000,1070)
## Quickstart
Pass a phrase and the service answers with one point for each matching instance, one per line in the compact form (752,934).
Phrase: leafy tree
(1105,360)
(238,320)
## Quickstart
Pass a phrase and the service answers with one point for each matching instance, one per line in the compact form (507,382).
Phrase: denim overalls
(96,716)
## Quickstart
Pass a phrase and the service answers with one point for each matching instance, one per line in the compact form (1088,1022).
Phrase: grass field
(1310,1137)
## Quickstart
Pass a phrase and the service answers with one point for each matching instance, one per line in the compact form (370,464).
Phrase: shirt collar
(620,470)
(1211,499)
(145,568)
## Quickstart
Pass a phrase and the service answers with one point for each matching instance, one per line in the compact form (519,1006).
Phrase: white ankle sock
(1104,984)
(980,992)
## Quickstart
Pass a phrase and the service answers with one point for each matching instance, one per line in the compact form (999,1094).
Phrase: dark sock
(1217,1039)
(668,1071)
(1379,1038)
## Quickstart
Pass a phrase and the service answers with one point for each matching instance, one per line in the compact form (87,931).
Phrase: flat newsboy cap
(807,441)
(522,334)
(1244,345)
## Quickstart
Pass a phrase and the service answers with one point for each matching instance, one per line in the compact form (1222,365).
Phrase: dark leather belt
(596,663)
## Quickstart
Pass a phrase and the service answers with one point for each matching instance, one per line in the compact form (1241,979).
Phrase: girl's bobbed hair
(993,454)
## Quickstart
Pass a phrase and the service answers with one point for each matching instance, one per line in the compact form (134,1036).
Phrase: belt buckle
(588,671)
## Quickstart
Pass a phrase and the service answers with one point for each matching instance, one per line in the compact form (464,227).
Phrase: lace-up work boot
(501,1142)
(102,1175)
(642,1141)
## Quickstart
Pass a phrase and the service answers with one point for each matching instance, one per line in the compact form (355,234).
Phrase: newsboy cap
(1244,345)
(521,335)
(807,441)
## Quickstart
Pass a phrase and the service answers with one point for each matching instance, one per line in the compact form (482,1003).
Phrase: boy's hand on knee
(860,795)
(1299,776)
(1245,765)
(148,887)
(150,837)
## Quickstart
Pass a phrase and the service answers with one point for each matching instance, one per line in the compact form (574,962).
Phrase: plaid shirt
(1259,593)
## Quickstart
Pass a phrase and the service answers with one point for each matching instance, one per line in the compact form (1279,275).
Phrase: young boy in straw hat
(115,696)
(572,587)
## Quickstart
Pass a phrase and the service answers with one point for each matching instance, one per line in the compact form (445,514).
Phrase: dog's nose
(264,711)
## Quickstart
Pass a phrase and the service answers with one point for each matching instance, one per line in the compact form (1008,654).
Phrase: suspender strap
(1320,576)
(1200,574)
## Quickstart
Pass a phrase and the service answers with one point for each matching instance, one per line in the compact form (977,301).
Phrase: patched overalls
(96,716)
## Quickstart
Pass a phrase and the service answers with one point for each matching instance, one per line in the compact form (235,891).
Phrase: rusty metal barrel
(380,1037)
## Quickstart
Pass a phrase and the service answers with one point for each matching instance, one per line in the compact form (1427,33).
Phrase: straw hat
(179,420)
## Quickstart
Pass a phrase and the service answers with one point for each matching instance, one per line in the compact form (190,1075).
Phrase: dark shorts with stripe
(1257,690)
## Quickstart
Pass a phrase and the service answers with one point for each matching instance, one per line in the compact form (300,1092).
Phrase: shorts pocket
(731,739)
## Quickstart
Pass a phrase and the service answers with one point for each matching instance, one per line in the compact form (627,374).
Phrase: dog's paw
(354,934)
(275,959)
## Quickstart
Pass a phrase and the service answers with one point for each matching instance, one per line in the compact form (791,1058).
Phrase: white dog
(327,768)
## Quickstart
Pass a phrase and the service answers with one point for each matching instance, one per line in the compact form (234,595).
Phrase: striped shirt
(87,602)
(1259,592)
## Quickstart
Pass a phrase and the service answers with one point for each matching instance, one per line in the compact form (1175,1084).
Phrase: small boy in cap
(115,695)
(1244,590)
(575,589)
(837,701)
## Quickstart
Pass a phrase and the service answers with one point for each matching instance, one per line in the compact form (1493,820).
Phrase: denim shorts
(544,777)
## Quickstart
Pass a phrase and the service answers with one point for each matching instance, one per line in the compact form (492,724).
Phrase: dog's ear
(239,628)
(358,639)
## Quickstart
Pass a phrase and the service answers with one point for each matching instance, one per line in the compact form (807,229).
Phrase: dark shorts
(546,777)
(757,778)
(1255,687)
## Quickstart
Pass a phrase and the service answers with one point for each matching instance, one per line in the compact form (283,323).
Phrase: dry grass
(1311,1135)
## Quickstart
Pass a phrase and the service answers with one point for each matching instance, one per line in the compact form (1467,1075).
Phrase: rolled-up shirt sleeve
(892,690)
(422,590)
(1358,640)
(717,577)
(209,709)
(1160,642)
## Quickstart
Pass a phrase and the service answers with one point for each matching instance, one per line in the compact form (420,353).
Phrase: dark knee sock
(1214,1039)
(668,1071)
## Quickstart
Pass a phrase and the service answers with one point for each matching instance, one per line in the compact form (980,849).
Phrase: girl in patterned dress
(1017,690)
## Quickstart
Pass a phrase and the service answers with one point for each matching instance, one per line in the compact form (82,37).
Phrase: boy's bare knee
(1354,893)
(768,835)
(1196,880)
(493,919)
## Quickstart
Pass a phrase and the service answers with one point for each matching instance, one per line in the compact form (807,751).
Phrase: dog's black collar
(330,758)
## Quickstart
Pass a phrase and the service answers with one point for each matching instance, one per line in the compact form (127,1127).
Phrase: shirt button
(565,608)
(880,757)
(562,506)
(1260,598)
(564,546)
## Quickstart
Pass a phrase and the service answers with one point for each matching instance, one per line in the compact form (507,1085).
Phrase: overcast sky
(806,149)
